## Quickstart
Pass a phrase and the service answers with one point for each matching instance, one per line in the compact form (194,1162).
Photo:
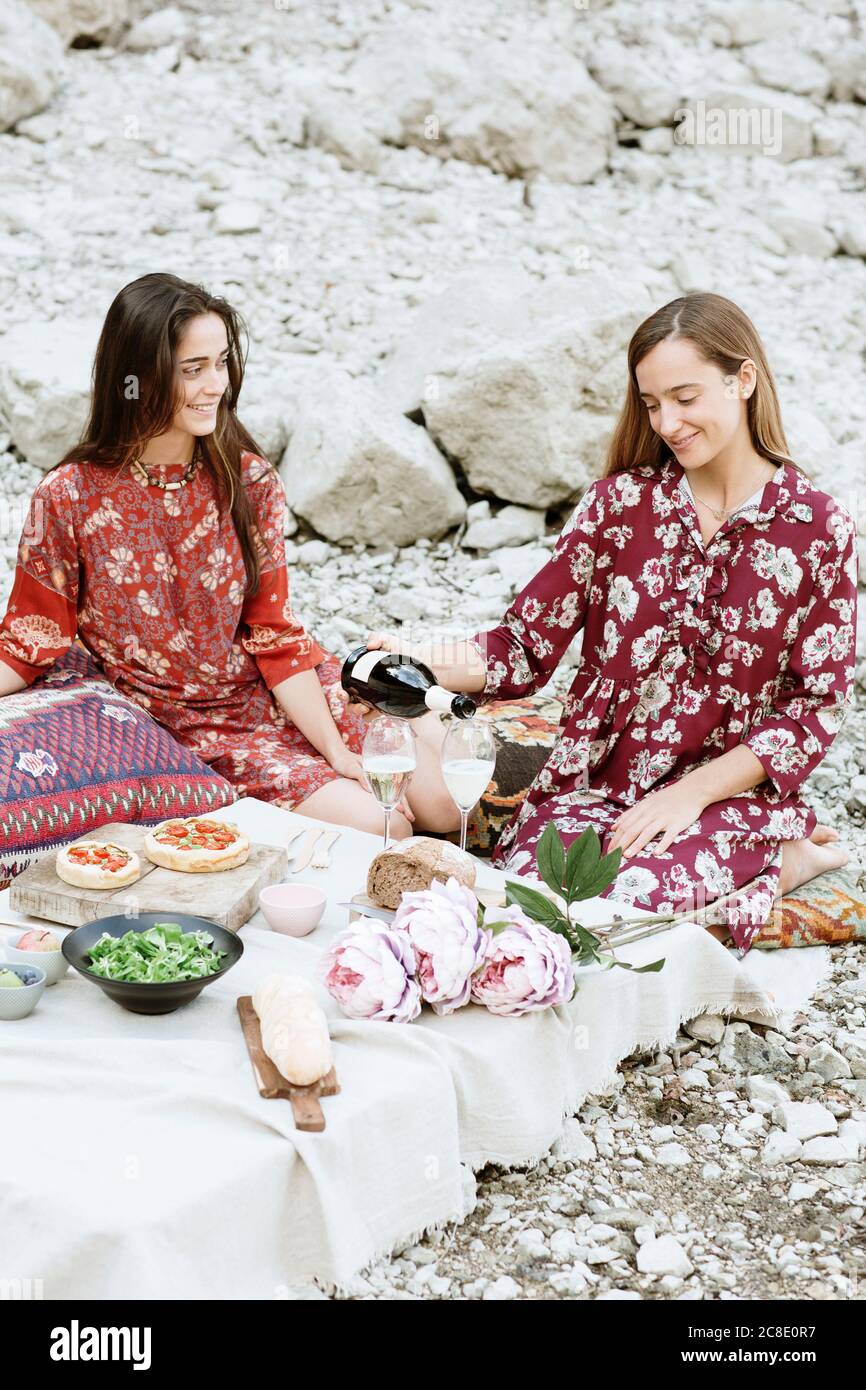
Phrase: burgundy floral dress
(687,651)
(153,582)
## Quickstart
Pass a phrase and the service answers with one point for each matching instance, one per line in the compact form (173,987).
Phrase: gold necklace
(725,512)
(170,487)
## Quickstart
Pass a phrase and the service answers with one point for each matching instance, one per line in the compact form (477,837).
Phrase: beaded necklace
(170,487)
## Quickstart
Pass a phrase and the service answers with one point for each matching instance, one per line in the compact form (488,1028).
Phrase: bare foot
(822,833)
(803,860)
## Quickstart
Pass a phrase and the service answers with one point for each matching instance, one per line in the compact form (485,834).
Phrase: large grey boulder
(743,22)
(512,106)
(784,65)
(45,385)
(847,67)
(333,126)
(166,26)
(520,382)
(31,62)
(643,90)
(741,118)
(357,470)
(485,304)
(102,21)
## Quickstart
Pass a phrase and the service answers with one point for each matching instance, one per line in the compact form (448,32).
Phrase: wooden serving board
(488,897)
(273,1085)
(228,898)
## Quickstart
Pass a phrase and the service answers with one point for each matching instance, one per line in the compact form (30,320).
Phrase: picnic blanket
(139,1160)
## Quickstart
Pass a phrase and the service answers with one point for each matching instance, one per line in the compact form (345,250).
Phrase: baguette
(294,1029)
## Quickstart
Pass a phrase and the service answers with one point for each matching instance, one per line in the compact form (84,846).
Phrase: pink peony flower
(526,967)
(369,969)
(442,924)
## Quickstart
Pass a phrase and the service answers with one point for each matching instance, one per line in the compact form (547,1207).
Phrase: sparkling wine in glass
(468,763)
(388,760)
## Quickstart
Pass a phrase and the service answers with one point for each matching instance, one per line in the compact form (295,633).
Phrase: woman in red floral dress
(717,590)
(159,540)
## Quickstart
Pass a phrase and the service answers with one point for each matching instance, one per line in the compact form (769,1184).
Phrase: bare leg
(427,794)
(345,802)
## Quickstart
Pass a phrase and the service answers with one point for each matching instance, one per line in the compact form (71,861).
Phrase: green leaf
(599,877)
(550,858)
(605,961)
(589,944)
(583,856)
(642,969)
(534,904)
(497,927)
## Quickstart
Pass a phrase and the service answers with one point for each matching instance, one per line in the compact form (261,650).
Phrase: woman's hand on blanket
(348,764)
(665,813)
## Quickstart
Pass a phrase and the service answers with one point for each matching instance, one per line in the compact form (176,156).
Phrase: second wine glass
(388,759)
(468,763)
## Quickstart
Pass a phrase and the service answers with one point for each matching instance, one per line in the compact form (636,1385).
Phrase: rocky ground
(724,1168)
(420,249)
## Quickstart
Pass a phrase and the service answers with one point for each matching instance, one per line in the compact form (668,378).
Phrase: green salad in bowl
(154,963)
(162,954)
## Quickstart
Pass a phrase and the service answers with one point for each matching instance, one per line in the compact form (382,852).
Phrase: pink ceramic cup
(292,908)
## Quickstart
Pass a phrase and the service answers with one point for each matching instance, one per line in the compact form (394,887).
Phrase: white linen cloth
(138,1159)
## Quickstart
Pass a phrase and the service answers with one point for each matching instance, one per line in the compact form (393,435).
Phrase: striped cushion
(76,754)
(825,911)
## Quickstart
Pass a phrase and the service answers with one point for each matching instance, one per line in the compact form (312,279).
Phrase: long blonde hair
(722,334)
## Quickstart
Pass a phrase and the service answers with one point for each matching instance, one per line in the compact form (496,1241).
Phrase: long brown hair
(722,334)
(135,393)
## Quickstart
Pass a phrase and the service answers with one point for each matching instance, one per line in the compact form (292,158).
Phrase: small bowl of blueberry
(21,989)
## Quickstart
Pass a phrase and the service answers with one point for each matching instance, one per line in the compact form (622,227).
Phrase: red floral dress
(153,581)
(687,651)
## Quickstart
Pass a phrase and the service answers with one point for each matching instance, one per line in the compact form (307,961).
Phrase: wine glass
(388,760)
(468,761)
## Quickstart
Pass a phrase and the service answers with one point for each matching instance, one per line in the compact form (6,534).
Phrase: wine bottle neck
(438,699)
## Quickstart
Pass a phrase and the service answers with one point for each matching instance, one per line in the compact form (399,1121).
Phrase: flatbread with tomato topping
(197,845)
(97,864)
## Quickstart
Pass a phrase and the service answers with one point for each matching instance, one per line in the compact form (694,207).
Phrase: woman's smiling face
(202,356)
(697,410)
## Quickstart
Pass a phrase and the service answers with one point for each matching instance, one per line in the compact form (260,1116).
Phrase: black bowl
(143,998)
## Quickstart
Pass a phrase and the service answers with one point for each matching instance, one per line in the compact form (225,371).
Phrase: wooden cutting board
(488,897)
(273,1085)
(228,898)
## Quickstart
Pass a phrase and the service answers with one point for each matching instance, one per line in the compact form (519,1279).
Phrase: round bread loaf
(412,865)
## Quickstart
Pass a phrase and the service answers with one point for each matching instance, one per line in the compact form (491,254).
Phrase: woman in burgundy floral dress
(159,539)
(717,590)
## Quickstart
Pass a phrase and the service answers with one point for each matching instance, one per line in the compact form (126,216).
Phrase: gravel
(732,1165)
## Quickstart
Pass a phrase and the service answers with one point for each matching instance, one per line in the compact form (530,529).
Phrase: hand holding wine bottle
(425,679)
